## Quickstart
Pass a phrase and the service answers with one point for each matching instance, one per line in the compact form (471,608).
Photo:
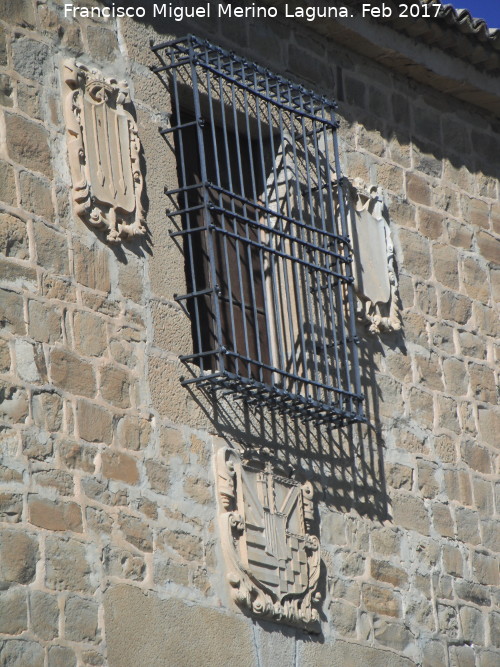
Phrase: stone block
(135,637)
(421,406)
(442,520)
(80,624)
(486,319)
(120,466)
(30,362)
(381,600)
(102,42)
(158,476)
(483,496)
(27,143)
(18,556)
(13,404)
(472,622)
(453,560)
(13,237)
(427,482)
(44,322)
(410,513)
(11,507)
(59,480)
(71,373)
(66,565)
(455,376)
(51,248)
(429,371)
(12,312)
(54,515)
(127,565)
(475,279)
(136,532)
(30,58)
(455,307)
(187,546)
(14,606)
(198,490)
(390,574)
(445,448)
(21,653)
(91,267)
(36,195)
(458,486)
(44,615)
(37,445)
(442,337)
(343,618)
(475,593)
(426,299)
(485,569)
(61,656)
(482,382)
(8,193)
(459,235)
(489,246)
(95,423)
(447,413)
(18,275)
(98,521)
(90,334)
(467,525)
(416,253)
(399,476)
(6,91)
(77,456)
(99,490)
(445,262)
(476,457)
(489,425)
(115,386)
(418,189)
(133,432)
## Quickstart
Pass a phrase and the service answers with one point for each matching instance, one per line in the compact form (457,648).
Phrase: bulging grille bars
(260,215)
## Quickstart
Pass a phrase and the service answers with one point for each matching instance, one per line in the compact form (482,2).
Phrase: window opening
(261,212)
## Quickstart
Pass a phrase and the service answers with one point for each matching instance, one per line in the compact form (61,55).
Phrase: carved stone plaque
(103,148)
(375,280)
(273,559)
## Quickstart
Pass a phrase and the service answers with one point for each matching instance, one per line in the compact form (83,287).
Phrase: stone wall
(109,551)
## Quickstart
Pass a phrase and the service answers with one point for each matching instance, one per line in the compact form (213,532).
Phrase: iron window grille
(261,214)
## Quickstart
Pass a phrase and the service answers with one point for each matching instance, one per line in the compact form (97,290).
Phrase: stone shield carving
(273,559)
(103,149)
(375,280)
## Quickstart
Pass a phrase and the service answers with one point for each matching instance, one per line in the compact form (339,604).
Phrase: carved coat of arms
(272,557)
(375,280)
(103,148)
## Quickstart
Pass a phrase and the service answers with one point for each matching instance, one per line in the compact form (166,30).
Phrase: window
(260,211)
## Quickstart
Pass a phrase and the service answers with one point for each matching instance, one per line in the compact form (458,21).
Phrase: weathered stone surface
(75,455)
(118,465)
(467,525)
(51,248)
(455,307)
(390,574)
(27,143)
(30,57)
(198,489)
(126,565)
(13,237)
(137,532)
(158,476)
(18,556)
(11,507)
(95,423)
(21,653)
(30,362)
(14,616)
(345,654)
(71,373)
(44,615)
(44,322)
(133,433)
(54,515)
(418,189)
(442,520)
(134,636)
(115,386)
(410,512)
(61,656)
(12,312)
(189,547)
(37,444)
(90,334)
(8,192)
(472,622)
(489,246)
(416,253)
(13,404)
(445,261)
(36,195)
(91,267)
(381,600)
(47,410)
(67,567)
(427,482)
(486,569)
(80,623)
(455,376)
(483,383)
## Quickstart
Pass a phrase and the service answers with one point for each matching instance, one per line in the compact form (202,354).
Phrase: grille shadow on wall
(264,235)
(260,217)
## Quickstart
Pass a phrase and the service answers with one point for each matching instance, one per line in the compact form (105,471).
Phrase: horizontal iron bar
(192,295)
(163,68)
(179,127)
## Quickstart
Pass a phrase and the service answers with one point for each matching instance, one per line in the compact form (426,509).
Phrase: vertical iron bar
(206,213)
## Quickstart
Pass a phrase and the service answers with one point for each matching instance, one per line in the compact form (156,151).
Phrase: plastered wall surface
(109,546)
